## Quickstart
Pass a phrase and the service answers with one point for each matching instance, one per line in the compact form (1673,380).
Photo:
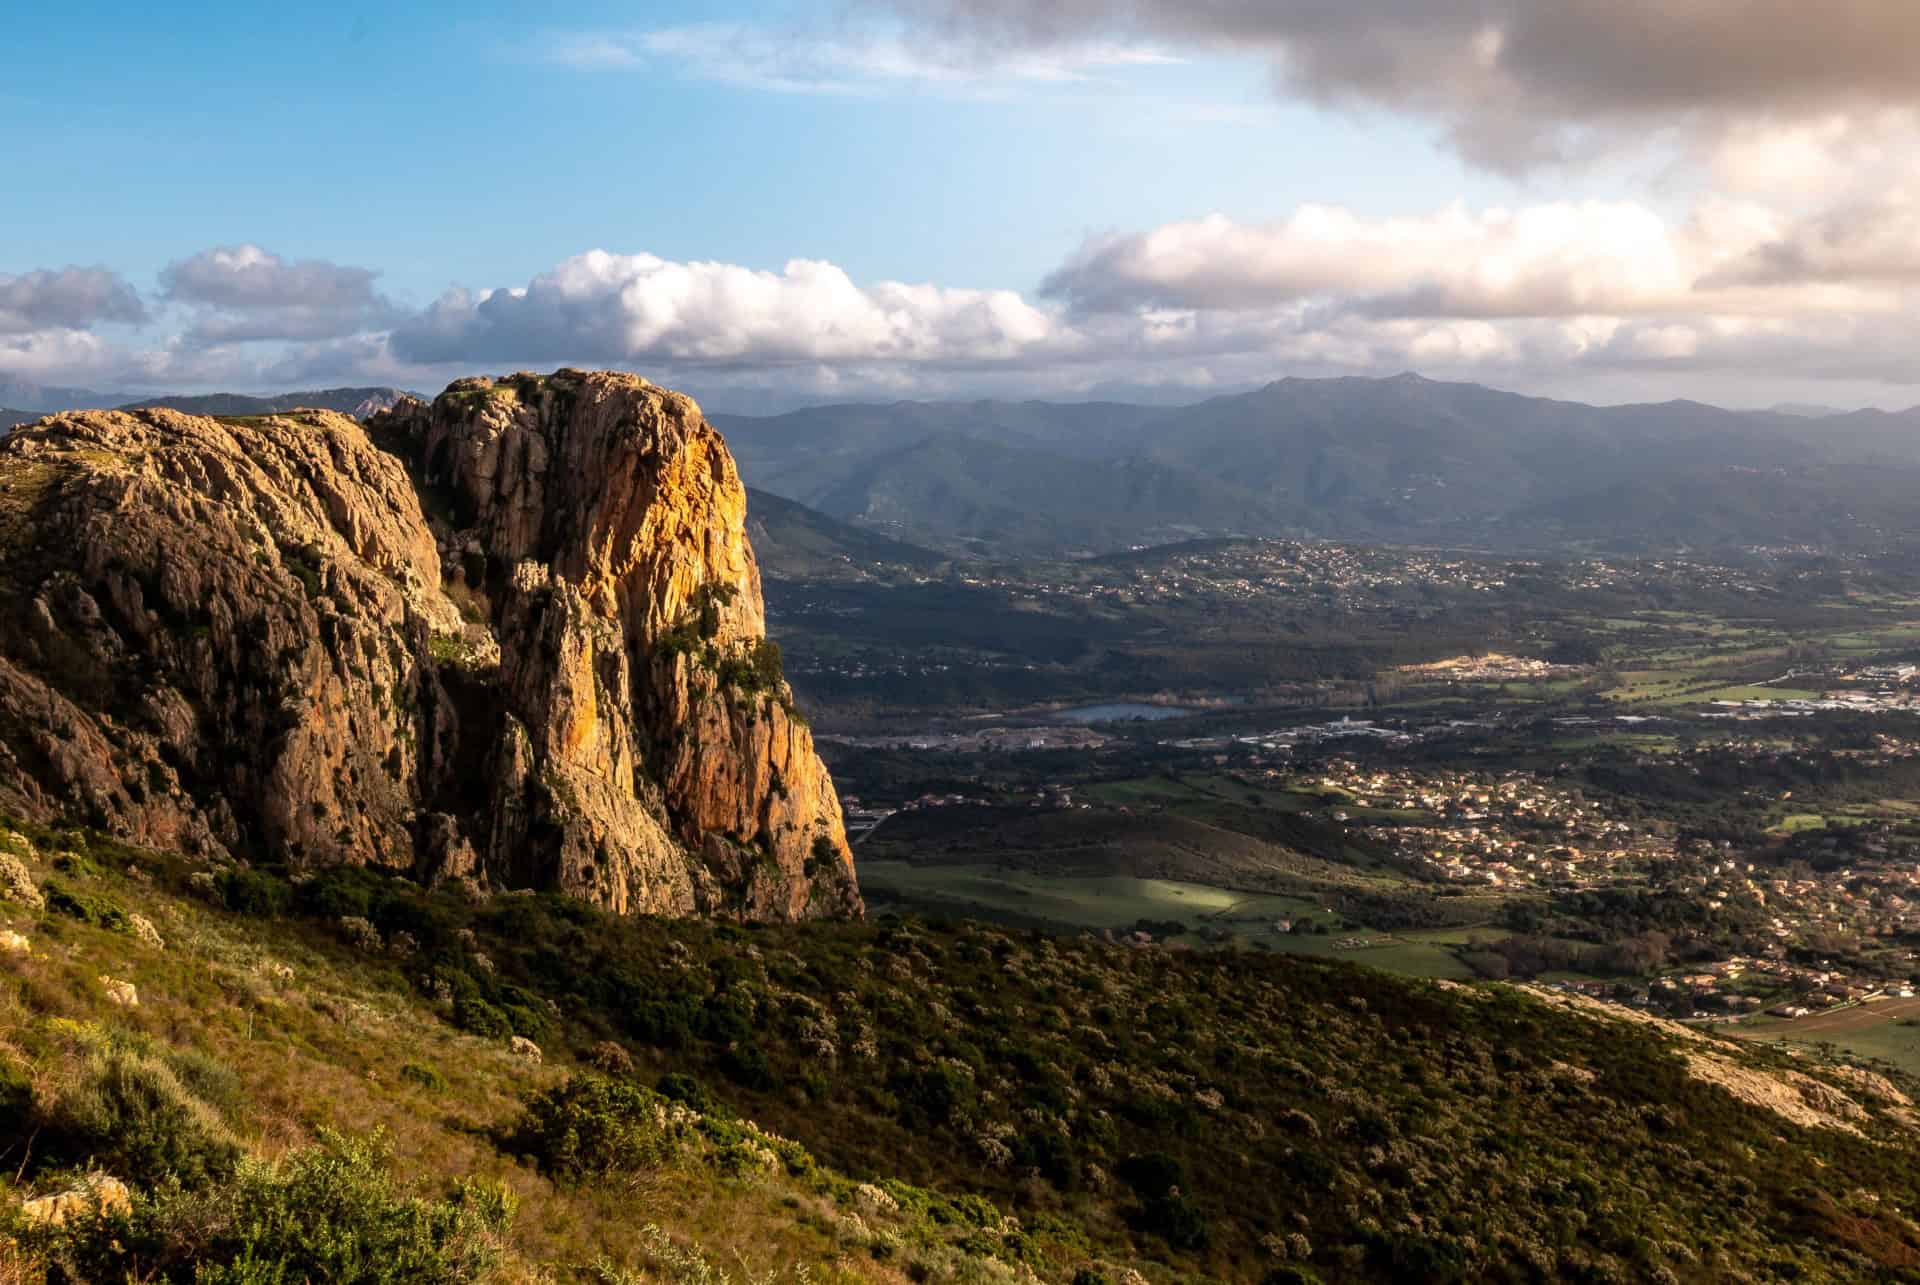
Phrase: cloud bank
(1528,295)
(1513,83)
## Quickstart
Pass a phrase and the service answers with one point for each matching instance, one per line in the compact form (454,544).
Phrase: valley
(791,899)
(1673,784)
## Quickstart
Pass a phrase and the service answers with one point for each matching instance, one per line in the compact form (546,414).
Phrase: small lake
(1120,712)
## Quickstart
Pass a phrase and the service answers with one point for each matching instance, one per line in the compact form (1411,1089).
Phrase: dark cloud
(246,294)
(1513,81)
(66,299)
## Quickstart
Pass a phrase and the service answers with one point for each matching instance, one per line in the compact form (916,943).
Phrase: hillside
(969,491)
(1402,459)
(528,1088)
(269,635)
(794,542)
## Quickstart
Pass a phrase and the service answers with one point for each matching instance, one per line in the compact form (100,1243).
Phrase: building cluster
(1745,985)
(1506,829)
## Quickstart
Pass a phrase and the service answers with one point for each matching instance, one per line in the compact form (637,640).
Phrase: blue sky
(1133,185)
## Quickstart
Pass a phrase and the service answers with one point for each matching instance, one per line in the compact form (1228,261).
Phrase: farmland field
(1118,902)
(1886,1029)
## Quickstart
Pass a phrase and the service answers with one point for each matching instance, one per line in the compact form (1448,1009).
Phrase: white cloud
(1528,295)
(244,294)
(1547,260)
(633,308)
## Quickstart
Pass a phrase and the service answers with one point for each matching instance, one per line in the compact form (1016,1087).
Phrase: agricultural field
(1888,1030)
(1213,916)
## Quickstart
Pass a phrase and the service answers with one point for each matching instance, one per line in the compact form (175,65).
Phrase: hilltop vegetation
(889,1101)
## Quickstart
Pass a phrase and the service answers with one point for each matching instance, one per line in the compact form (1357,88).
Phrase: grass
(1117,902)
(1755,692)
(1795,822)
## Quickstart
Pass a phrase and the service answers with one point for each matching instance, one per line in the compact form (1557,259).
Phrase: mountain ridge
(1406,459)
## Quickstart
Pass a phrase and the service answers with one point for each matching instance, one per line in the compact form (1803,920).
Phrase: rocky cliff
(514,639)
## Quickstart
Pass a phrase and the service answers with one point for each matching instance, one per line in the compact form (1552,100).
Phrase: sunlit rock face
(513,639)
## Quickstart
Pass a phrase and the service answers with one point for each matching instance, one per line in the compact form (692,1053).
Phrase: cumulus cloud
(1869,241)
(244,294)
(1547,260)
(1514,82)
(66,299)
(636,308)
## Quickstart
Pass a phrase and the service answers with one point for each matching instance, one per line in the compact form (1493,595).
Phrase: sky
(772,204)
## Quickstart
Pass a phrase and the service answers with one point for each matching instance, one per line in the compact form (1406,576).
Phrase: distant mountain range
(1403,459)
(11,418)
(42,398)
(358,402)
(34,400)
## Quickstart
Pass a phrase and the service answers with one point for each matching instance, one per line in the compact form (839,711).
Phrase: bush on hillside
(592,1126)
(332,1212)
(131,1115)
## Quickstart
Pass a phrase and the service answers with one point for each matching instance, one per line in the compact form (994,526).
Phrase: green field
(1892,1040)
(1119,901)
(1896,1042)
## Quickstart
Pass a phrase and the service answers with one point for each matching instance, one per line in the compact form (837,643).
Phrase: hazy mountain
(972,490)
(794,542)
(12,418)
(1806,410)
(1394,459)
(47,397)
(358,402)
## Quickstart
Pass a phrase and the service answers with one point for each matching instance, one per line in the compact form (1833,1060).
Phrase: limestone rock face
(514,639)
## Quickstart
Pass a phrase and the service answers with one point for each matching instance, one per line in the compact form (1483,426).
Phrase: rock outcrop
(514,639)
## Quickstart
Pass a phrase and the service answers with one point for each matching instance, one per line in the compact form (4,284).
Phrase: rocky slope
(518,643)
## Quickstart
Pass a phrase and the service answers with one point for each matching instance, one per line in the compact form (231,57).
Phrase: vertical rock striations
(518,643)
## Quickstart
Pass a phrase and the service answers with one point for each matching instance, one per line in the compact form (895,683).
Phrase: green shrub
(335,894)
(424,1076)
(254,892)
(131,1115)
(72,863)
(594,1127)
(680,1087)
(16,1101)
(327,1213)
(471,1013)
(747,1066)
(98,911)
(206,1078)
